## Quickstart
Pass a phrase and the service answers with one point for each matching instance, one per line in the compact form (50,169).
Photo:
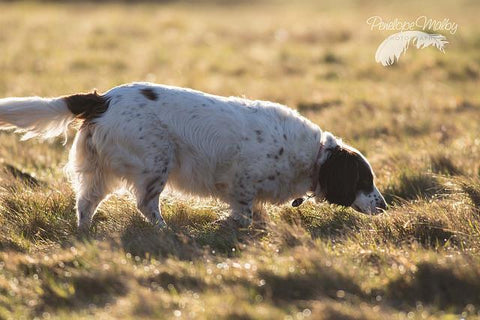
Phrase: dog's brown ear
(339,176)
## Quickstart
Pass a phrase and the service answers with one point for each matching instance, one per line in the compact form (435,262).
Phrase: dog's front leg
(151,211)
(241,202)
(242,212)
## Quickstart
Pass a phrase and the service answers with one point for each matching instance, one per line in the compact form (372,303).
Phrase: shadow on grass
(141,239)
(472,189)
(7,244)
(183,240)
(78,292)
(429,232)
(317,282)
(442,164)
(411,186)
(174,282)
(27,179)
(438,286)
(329,222)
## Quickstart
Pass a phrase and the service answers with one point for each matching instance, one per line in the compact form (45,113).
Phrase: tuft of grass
(429,231)
(330,58)
(413,185)
(38,216)
(472,189)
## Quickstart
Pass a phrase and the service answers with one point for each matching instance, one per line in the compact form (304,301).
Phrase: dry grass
(417,122)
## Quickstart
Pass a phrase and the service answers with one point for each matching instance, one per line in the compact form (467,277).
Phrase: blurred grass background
(417,122)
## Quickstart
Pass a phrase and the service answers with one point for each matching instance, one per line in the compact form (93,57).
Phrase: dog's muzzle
(370,203)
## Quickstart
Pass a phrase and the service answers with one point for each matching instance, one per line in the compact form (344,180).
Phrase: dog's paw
(223,223)
(242,221)
(233,222)
(160,225)
(82,232)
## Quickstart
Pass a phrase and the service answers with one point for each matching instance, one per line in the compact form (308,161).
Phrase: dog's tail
(49,117)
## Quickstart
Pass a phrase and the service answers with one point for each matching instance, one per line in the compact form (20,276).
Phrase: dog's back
(210,138)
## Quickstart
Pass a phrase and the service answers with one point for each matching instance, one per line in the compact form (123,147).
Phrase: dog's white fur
(238,150)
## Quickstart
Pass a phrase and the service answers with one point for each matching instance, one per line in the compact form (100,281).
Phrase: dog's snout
(370,203)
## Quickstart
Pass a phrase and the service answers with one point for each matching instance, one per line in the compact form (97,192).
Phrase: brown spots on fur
(149,94)
(87,106)
(271,177)
(259,136)
(280,152)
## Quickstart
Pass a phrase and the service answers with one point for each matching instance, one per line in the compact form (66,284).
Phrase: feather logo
(390,50)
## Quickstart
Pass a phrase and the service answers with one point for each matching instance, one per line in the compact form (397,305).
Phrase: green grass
(417,122)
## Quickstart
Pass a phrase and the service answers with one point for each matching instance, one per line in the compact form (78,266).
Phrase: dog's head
(346,178)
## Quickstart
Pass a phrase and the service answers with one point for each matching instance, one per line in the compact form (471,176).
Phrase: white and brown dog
(244,152)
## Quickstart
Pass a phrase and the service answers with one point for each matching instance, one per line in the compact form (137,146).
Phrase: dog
(145,136)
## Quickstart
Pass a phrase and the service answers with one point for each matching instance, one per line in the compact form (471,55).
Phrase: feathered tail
(35,116)
(48,117)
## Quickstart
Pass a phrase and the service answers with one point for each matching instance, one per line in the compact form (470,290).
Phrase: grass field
(418,122)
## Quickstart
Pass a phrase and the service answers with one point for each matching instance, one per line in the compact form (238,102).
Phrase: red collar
(316,168)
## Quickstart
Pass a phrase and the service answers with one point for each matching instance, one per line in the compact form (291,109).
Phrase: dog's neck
(327,143)
(316,168)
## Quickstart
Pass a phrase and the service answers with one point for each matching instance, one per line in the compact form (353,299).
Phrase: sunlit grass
(417,122)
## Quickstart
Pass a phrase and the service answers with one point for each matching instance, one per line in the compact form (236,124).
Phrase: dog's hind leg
(91,181)
(92,192)
(148,182)
(143,161)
